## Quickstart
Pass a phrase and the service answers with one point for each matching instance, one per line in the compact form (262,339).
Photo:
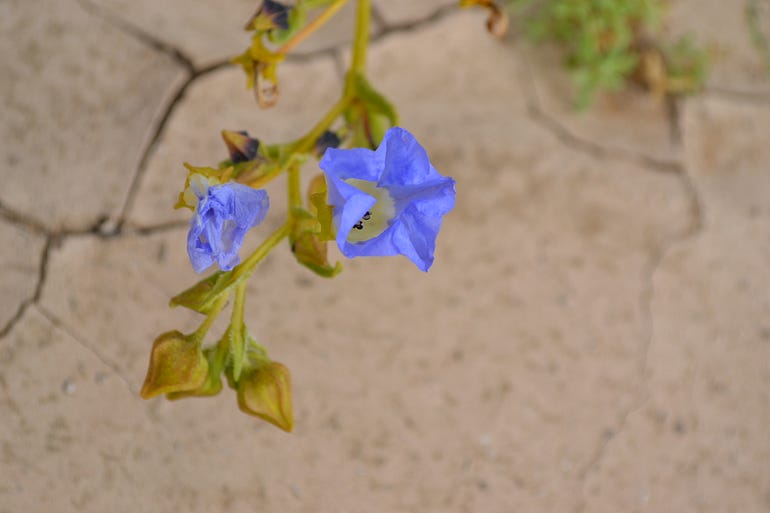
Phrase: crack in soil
(59,324)
(649,270)
(646,300)
(41,277)
(138,33)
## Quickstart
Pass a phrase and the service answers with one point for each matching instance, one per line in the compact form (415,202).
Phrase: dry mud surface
(594,335)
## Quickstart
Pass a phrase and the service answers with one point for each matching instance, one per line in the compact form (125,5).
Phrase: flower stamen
(378,218)
(360,224)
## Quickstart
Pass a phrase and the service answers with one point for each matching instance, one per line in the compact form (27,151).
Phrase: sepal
(198,297)
(369,117)
(311,231)
(198,178)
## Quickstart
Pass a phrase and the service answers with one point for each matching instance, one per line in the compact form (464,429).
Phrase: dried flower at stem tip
(223,215)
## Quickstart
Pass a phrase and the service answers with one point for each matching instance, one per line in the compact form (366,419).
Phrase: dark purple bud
(327,140)
(270,15)
(242,148)
(278,12)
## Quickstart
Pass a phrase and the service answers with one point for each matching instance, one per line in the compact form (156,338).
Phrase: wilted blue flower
(387,202)
(223,215)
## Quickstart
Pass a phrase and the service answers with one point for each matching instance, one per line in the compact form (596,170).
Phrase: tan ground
(594,335)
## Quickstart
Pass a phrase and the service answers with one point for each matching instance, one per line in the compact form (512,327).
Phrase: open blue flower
(223,215)
(387,202)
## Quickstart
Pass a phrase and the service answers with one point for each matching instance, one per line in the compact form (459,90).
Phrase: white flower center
(377,219)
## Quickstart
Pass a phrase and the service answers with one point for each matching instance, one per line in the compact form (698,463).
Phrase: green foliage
(608,42)
(760,40)
(686,65)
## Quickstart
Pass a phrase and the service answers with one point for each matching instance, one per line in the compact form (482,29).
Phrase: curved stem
(358,67)
(245,268)
(306,143)
(311,27)
(210,318)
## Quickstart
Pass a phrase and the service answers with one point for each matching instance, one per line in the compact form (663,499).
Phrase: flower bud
(177,364)
(240,146)
(212,385)
(265,391)
(270,15)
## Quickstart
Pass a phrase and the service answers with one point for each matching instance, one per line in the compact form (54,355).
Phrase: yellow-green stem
(361,38)
(311,27)
(210,318)
(238,304)
(245,268)
(306,144)
(295,189)
(358,67)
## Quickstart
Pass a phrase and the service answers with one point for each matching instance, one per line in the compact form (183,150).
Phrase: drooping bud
(212,385)
(177,364)
(265,391)
(241,147)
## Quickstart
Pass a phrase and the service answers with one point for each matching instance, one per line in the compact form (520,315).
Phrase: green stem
(361,38)
(240,301)
(311,27)
(245,268)
(306,144)
(210,318)
(358,67)
(236,335)
(315,4)
(295,189)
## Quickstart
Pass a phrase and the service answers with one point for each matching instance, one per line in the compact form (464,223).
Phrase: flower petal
(360,163)
(350,205)
(406,162)
(221,220)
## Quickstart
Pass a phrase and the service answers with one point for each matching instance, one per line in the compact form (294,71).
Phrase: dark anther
(359,225)
(367,216)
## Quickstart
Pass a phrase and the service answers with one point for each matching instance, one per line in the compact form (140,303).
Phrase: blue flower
(387,202)
(223,215)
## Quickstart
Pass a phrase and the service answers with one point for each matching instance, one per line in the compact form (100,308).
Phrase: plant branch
(311,27)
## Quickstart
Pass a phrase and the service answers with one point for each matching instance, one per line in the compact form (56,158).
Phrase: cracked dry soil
(593,336)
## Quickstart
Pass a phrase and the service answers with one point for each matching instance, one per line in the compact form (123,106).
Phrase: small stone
(68,387)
